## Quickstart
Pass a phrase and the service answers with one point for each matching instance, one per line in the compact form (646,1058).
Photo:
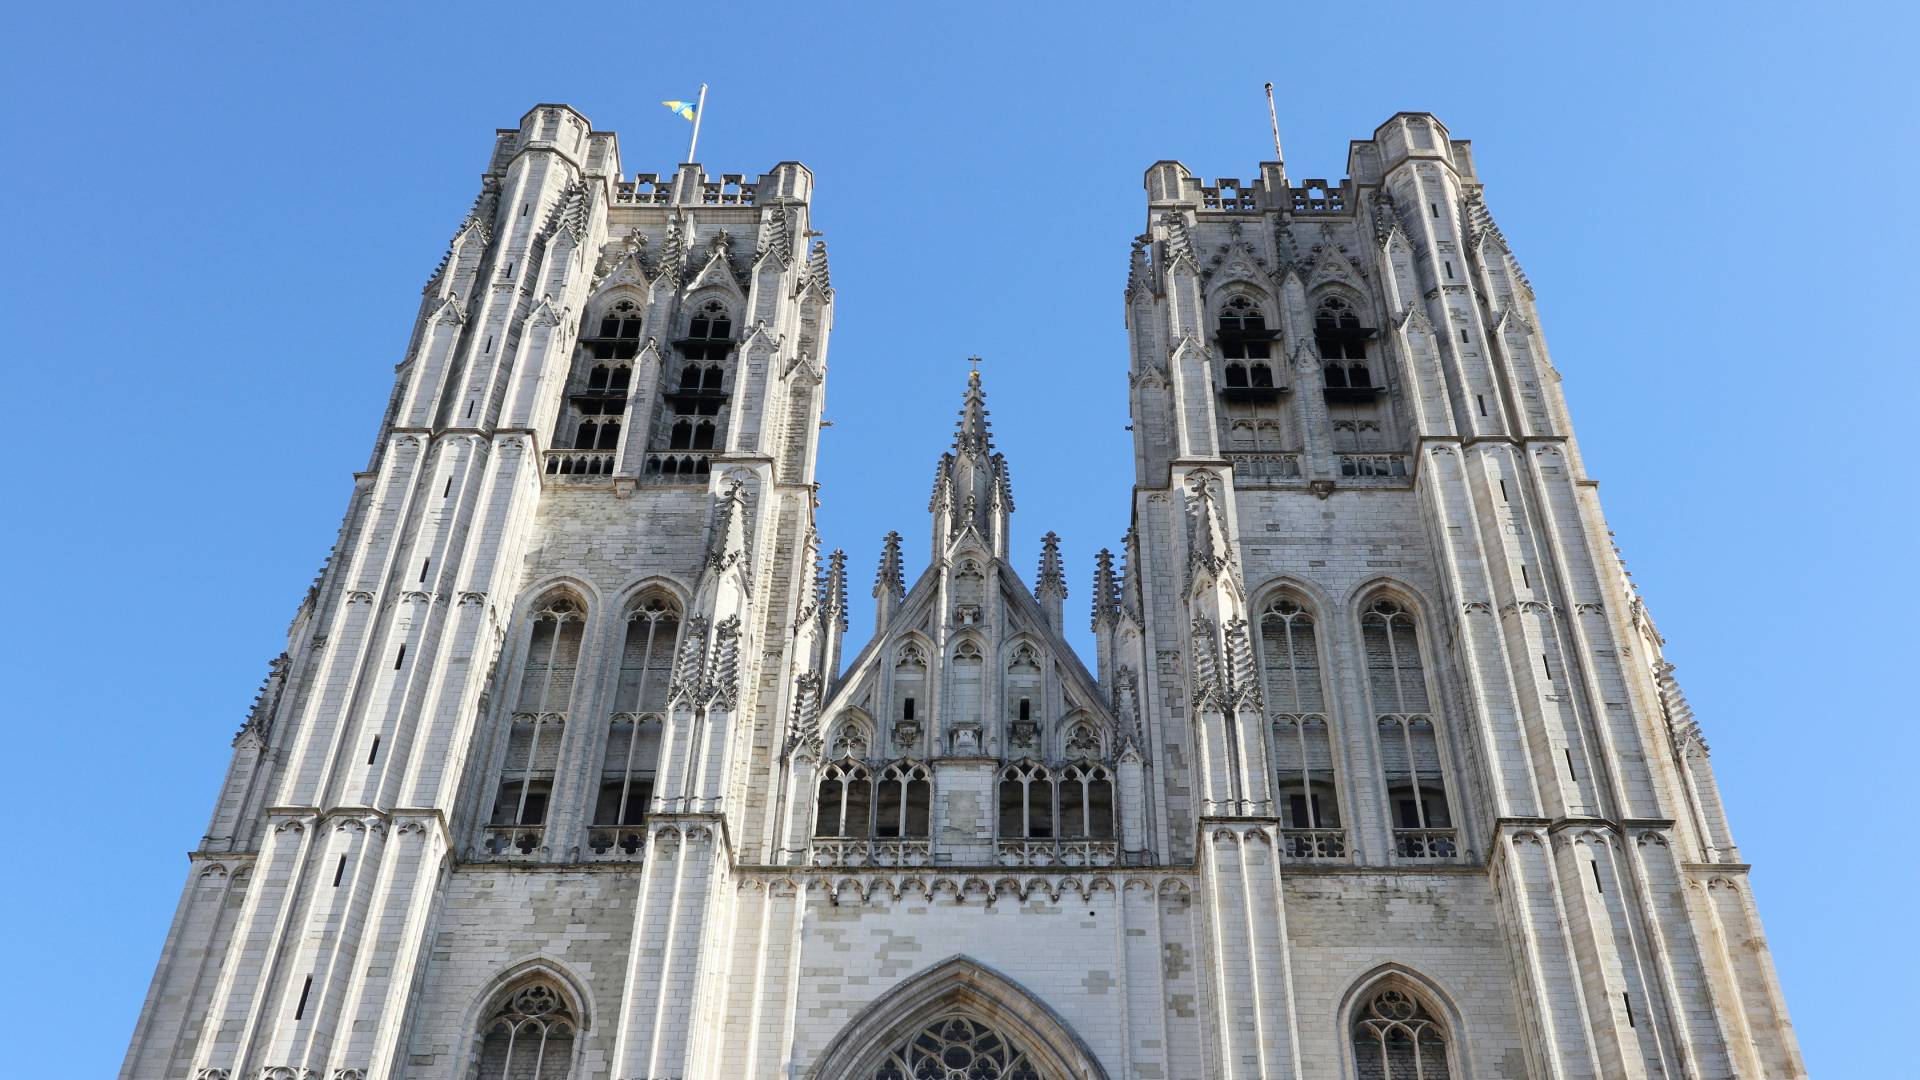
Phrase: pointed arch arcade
(965,1009)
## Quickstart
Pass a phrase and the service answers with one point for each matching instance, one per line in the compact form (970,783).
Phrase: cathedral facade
(568,774)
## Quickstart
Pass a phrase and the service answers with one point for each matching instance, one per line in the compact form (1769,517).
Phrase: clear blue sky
(220,218)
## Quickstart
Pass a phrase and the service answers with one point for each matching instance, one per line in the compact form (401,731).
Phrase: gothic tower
(1378,769)
(1427,716)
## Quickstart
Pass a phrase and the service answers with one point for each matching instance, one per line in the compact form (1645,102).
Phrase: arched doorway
(958,1020)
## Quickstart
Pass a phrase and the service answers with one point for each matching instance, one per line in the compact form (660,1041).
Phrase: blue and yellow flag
(682,109)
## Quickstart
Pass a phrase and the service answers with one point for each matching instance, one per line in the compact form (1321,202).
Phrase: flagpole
(699,111)
(1273,117)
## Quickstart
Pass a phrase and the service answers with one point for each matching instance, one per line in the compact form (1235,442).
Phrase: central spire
(973,435)
(971,488)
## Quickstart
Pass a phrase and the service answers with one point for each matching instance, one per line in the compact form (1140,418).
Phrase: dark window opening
(1482,399)
(1026,709)
(373,750)
(1243,331)
(1342,343)
(399,658)
(623,802)
(1236,375)
(339,871)
(300,1009)
(906,710)
(1595,867)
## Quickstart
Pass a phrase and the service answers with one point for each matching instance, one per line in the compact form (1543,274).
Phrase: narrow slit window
(1463,332)
(1448,264)
(300,1009)
(1525,578)
(1546,667)
(448,490)
(1503,491)
(339,871)
(424,563)
(1627,1000)
(906,710)
(1435,208)
(373,751)
(1597,887)
(399,658)
(1482,399)
(1571,775)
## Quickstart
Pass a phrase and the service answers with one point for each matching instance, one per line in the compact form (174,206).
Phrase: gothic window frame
(911,669)
(652,606)
(1293,720)
(1430,1007)
(561,603)
(1029,773)
(1082,778)
(1339,333)
(905,774)
(1023,678)
(846,772)
(490,1007)
(628,313)
(958,985)
(1429,840)
(1246,329)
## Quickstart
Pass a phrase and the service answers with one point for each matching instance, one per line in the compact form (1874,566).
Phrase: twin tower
(566,774)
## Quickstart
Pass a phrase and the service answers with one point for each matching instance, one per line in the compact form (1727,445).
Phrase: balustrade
(1424,843)
(1314,843)
(860,852)
(1057,852)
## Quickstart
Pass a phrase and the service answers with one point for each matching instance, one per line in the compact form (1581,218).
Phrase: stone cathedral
(567,772)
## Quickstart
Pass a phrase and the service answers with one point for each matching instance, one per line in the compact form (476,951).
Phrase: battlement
(561,129)
(1407,136)
(1169,182)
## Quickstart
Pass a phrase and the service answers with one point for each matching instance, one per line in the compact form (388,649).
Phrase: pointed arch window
(1246,346)
(1302,739)
(903,802)
(619,333)
(633,728)
(1026,802)
(1243,332)
(1086,801)
(1342,344)
(1409,738)
(957,1047)
(529,1035)
(555,626)
(844,808)
(709,333)
(1396,1038)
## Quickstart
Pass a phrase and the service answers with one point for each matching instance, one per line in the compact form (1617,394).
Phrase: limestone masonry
(1377,771)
